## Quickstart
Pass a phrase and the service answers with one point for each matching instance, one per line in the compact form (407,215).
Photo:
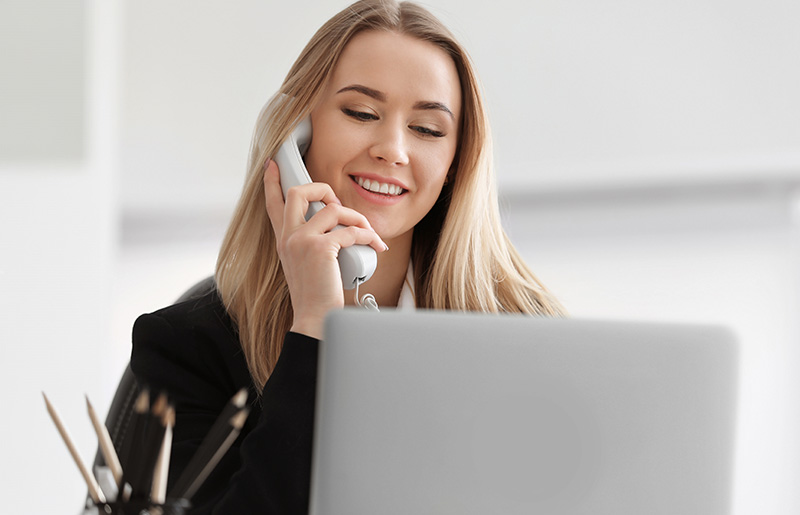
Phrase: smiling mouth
(382,188)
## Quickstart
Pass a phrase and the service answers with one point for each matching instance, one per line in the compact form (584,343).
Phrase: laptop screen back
(444,413)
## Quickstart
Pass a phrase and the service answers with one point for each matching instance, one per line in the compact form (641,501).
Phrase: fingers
(349,236)
(299,198)
(288,216)
(335,214)
(333,228)
(290,213)
(345,227)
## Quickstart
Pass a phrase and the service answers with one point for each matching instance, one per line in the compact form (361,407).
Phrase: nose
(390,146)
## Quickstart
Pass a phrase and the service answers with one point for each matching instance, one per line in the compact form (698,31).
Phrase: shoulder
(199,317)
(192,344)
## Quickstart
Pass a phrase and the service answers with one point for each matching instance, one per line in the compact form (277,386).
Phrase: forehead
(402,66)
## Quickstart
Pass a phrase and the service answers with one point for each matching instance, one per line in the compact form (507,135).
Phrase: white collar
(406,300)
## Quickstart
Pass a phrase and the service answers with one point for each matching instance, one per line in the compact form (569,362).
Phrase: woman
(401,156)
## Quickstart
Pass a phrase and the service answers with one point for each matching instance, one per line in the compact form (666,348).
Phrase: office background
(648,157)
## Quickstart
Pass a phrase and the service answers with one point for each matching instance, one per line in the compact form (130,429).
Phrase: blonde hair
(462,258)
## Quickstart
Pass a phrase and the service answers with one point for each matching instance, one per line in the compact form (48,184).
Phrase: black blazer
(192,351)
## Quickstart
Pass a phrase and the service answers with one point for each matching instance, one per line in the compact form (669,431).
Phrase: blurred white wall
(648,152)
(59,220)
(581,93)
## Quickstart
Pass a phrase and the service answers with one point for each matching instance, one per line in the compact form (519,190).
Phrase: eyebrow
(374,93)
(381,97)
(435,106)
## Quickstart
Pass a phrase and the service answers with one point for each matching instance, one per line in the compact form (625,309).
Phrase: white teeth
(378,187)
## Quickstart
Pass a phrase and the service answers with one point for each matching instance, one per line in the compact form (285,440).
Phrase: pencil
(106,445)
(159,489)
(216,435)
(235,404)
(132,445)
(150,447)
(235,425)
(91,482)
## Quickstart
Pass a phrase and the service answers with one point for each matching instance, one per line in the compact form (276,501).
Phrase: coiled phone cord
(367,301)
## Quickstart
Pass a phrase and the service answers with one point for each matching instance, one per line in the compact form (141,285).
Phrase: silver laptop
(441,413)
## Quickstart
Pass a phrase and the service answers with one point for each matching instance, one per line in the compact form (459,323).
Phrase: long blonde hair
(462,258)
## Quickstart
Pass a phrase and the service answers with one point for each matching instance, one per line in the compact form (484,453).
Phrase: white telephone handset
(356,263)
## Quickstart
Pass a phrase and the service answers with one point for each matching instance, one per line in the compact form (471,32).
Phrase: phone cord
(367,301)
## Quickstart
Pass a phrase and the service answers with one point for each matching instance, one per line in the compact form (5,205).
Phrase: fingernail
(385,247)
(266,163)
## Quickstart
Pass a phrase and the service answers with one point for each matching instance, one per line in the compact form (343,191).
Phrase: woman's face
(385,130)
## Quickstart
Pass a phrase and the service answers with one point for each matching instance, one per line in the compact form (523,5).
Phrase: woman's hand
(309,250)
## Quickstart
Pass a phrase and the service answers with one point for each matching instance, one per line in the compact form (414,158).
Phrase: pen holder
(140,507)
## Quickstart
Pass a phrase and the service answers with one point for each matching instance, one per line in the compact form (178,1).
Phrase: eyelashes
(364,116)
(427,131)
(359,115)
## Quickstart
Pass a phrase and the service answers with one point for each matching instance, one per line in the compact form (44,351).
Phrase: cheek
(331,147)
(319,155)
(439,165)
(434,178)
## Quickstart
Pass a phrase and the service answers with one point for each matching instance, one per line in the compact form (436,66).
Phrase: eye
(425,131)
(359,115)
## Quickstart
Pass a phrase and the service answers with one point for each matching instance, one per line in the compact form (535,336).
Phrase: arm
(201,366)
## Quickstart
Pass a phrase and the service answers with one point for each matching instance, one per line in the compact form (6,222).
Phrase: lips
(376,186)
